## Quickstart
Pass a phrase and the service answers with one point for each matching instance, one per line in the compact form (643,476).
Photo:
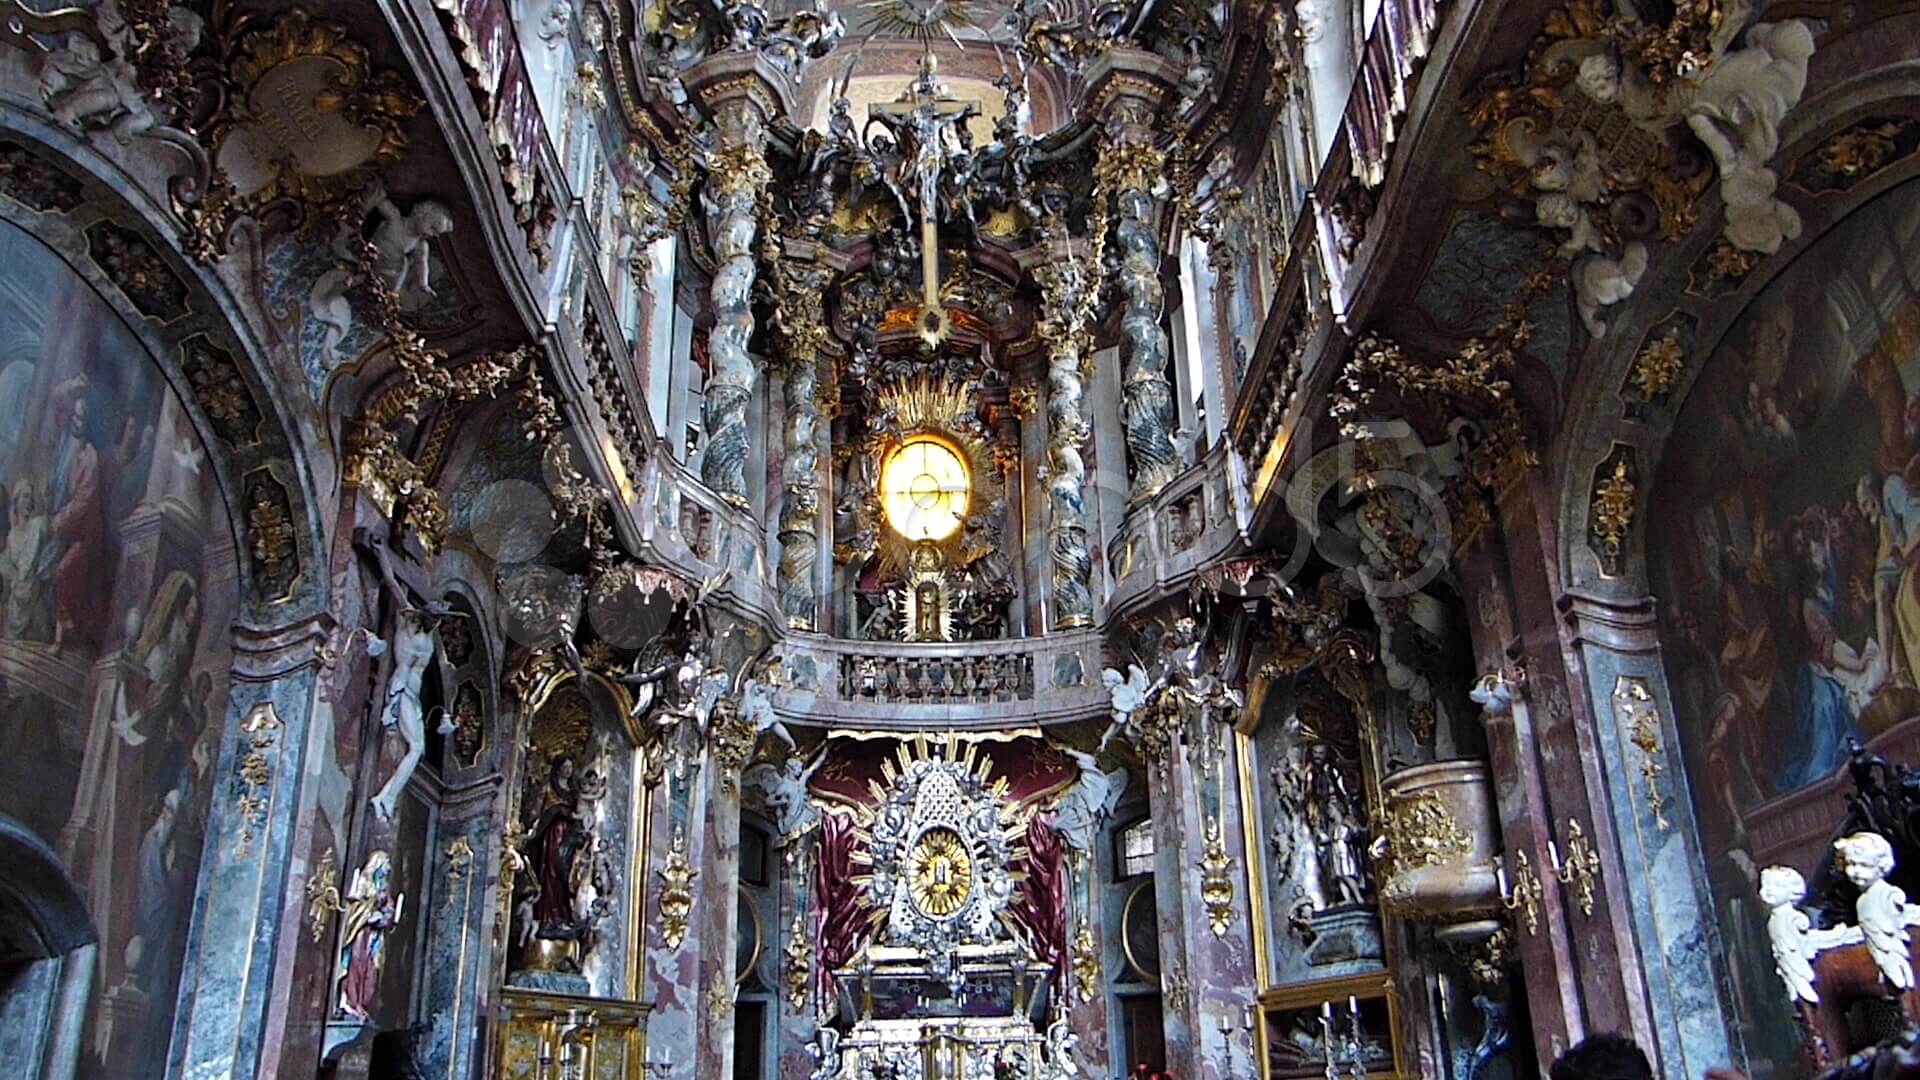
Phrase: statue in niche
(1320,837)
(568,873)
(371,913)
(1334,819)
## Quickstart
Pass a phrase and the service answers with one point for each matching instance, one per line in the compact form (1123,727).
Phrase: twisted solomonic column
(1128,168)
(1068,291)
(801,322)
(738,173)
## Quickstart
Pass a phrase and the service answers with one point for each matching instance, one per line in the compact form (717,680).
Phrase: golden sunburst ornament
(941,873)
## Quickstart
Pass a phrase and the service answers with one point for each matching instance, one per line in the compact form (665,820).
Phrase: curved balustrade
(1192,522)
(964,684)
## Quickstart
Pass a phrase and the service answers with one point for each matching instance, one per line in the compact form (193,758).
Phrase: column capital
(740,92)
(1126,87)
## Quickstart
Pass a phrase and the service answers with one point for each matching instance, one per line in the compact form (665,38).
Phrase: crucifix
(928,125)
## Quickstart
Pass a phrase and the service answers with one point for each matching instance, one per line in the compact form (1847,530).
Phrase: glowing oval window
(924,487)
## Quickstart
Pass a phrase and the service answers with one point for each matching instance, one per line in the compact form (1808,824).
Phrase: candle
(1500,875)
(1326,1011)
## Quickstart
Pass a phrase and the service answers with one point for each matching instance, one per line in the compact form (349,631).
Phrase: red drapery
(840,918)
(1040,908)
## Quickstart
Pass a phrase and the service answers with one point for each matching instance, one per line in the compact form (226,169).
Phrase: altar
(922,1025)
(945,991)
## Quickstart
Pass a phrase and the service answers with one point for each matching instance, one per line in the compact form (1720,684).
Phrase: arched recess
(1726,479)
(46,955)
(159,537)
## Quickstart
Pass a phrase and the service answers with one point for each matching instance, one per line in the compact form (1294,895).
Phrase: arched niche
(158,534)
(1780,558)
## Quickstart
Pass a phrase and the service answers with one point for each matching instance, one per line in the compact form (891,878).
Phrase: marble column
(248,875)
(803,331)
(716,911)
(739,93)
(1068,292)
(1200,890)
(1130,164)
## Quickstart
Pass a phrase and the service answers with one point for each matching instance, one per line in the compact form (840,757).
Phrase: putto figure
(1866,859)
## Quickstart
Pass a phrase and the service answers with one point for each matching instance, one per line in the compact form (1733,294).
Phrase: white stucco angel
(1089,802)
(756,705)
(1866,859)
(401,253)
(1128,694)
(784,788)
(1737,113)
(1781,889)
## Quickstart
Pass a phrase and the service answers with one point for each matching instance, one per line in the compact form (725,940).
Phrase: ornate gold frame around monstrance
(916,407)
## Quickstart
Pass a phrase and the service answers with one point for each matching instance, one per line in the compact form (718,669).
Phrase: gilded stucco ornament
(1639,720)
(676,891)
(1612,509)
(1657,365)
(1586,130)
(323,895)
(1216,880)
(1475,384)
(799,967)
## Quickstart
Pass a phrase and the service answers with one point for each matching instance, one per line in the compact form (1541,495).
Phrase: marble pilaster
(1664,888)
(1207,978)
(240,912)
(716,916)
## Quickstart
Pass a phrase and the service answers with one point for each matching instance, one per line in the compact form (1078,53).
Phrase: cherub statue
(1737,113)
(1866,859)
(756,706)
(1781,889)
(1128,694)
(401,253)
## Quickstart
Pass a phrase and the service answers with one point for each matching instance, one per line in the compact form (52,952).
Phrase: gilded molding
(261,734)
(1639,720)
(1610,517)
(676,891)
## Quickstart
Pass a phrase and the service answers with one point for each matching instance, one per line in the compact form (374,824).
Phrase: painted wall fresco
(116,588)
(1783,552)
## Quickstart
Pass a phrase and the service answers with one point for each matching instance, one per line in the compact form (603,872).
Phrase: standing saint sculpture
(371,913)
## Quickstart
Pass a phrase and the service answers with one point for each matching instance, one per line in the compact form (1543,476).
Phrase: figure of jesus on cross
(927,124)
